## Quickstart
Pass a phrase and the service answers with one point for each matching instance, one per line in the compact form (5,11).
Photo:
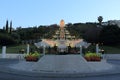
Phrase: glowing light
(62,23)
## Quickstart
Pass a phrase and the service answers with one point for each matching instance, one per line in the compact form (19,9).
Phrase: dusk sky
(28,13)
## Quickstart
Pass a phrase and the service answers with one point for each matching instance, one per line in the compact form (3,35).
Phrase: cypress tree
(10,27)
(7,26)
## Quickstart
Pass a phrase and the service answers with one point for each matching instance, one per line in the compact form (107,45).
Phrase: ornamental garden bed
(93,57)
(32,57)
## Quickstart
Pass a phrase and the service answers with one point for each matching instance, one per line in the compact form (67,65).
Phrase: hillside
(88,31)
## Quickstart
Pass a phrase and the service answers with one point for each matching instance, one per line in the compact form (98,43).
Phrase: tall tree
(100,19)
(4,28)
(10,27)
(7,27)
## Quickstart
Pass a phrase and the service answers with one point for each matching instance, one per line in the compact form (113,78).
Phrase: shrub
(32,56)
(6,39)
(92,57)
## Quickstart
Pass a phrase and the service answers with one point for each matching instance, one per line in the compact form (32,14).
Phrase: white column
(97,48)
(43,49)
(4,52)
(80,49)
(28,48)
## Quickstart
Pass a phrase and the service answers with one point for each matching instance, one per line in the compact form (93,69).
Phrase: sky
(29,13)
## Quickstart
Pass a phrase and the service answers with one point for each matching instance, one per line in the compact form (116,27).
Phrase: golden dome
(62,23)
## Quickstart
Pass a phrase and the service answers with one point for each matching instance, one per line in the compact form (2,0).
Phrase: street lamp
(44,49)
(80,49)
(28,48)
(97,48)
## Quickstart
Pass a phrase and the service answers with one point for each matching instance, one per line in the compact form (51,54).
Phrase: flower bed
(92,57)
(34,57)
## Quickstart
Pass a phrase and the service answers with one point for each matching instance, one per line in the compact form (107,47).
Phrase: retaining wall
(21,56)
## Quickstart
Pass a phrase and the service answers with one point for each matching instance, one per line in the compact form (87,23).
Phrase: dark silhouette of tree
(7,27)
(92,35)
(110,35)
(100,19)
(6,39)
(4,28)
(10,27)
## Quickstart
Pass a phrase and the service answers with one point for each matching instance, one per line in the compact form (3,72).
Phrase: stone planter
(31,59)
(93,58)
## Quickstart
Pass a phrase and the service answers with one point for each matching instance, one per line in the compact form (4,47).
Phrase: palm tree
(100,19)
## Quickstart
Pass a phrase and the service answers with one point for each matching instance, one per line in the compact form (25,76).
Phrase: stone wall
(21,56)
(112,56)
(14,56)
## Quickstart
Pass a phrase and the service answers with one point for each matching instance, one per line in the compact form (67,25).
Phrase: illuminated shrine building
(62,38)
(62,33)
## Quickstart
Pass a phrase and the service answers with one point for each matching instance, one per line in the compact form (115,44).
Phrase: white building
(111,22)
(114,22)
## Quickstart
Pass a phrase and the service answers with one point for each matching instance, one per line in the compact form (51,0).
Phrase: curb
(57,75)
(5,69)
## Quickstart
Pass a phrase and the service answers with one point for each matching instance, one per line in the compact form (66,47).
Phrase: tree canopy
(108,35)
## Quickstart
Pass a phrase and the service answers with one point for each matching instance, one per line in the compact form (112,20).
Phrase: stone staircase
(62,63)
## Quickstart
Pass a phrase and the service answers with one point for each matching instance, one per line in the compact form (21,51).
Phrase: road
(9,76)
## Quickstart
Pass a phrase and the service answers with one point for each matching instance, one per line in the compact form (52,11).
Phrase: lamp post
(4,52)
(102,51)
(80,49)
(28,48)
(44,49)
(97,48)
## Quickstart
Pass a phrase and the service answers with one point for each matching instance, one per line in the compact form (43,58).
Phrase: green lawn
(112,49)
(107,49)
(16,49)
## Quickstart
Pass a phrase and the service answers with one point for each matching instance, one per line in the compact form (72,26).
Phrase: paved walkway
(112,56)
(63,64)
(28,72)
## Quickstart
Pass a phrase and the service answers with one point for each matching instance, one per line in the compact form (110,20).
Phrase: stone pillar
(97,48)
(4,52)
(28,48)
(44,49)
(81,50)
